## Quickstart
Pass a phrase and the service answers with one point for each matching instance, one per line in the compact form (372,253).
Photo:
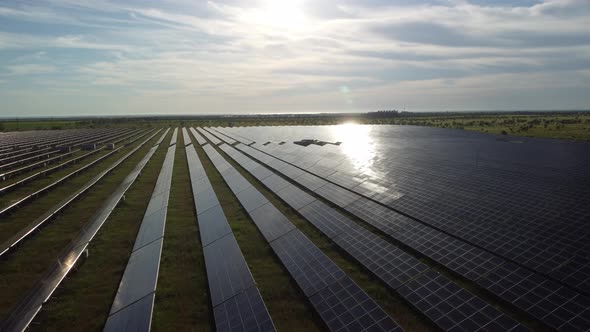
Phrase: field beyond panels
(196,225)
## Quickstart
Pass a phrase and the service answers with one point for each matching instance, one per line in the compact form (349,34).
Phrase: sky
(83,57)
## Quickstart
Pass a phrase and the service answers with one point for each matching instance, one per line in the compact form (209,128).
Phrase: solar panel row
(389,263)
(198,136)
(26,310)
(19,202)
(28,230)
(19,143)
(45,155)
(341,303)
(47,171)
(139,280)
(459,256)
(236,138)
(47,152)
(237,303)
(225,138)
(210,137)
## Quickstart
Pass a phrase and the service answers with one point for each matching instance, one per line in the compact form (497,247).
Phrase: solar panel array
(523,199)
(133,303)
(210,137)
(28,307)
(387,262)
(28,230)
(341,303)
(237,303)
(450,250)
(198,137)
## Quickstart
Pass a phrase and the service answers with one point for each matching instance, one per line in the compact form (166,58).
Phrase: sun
(285,15)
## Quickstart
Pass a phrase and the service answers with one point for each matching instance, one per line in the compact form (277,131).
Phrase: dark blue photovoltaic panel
(275,183)
(358,315)
(312,270)
(140,276)
(394,266)
(558,306)
(261,173)
(465,259)
(251,199)
(309,266)
(452,307)
(337,195)
(271,222)
(213,225)
(205,200)
(210,137)
(237,303)
(152,228)
(227,271)
(135,317)
(310,181)
(391,264)
(237,182)
(243,312)
(198,136)
(328,220)
(295,197)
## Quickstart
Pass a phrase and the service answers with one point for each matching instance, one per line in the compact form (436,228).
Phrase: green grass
(83,301)
(20,270)
(570,125)
(286,304)
(182,298)
(392,303)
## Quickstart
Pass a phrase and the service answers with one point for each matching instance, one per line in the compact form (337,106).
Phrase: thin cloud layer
(62,57)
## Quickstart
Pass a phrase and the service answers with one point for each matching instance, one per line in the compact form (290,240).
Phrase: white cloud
(233,53)
(30,69)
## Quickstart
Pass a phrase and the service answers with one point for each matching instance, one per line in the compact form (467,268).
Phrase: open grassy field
(570,125)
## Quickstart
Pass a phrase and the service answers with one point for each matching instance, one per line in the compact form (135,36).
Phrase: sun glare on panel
(357,144)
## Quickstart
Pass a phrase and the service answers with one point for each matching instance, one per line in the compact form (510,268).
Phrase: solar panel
(310,181)
(205,200)
(271,222)
(360,314)
(558,306)
(213,225)
(152,228)
(327,220)
(261,173)
(452,307)
(391,264)
(295,197)
(237,182)
(198,137)
(227,271)
(140,275)
(337,195)
(135,317)
(237,304)
(309,266)
(275,182)
(251,199)
(243,312)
